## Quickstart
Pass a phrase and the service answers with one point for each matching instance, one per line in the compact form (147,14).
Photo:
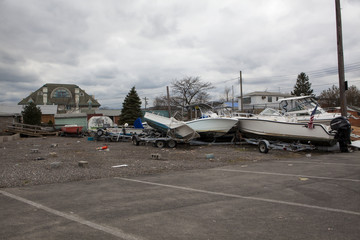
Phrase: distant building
(261,100)
(69,98)
(12,114)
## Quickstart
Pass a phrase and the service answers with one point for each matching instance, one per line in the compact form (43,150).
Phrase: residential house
(12,114)
(261,100)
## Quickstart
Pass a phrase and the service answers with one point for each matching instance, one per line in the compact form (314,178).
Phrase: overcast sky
(107,46)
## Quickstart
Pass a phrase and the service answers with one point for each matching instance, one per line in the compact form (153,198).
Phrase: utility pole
(241,93)
(145,99)
(340,59)
(168,100)
(232,99)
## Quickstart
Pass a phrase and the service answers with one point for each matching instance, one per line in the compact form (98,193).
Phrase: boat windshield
(270,112)
(305,105)
(209,114)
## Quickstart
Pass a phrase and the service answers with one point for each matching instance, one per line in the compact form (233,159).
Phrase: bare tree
(331,97)
(160,102)
(190,90)
(227,92)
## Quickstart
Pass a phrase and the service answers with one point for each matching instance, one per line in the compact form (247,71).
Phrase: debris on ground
(119,166)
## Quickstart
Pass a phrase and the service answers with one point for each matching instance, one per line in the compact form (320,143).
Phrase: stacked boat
(287,126)
(208,126)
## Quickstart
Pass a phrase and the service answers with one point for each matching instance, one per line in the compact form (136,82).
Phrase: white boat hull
(212,127)
(286,131)
(171,126)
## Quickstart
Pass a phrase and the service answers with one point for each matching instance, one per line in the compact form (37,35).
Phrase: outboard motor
(342,127)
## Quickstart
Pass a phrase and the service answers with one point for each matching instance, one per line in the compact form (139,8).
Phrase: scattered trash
(156,156)
(118,166)
(83,163)
(90,138)
(209,156)
(290,165)
(308,155)
(55,164)
(39,158)
(102,148)
(303,178)
(35,150)
(53,154)
(243,166)
(54,145)
(355,144)
(78,141)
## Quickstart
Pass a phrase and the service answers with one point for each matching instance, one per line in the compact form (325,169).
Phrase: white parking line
(243,197)
(286,174)
(324,163)
(113,231)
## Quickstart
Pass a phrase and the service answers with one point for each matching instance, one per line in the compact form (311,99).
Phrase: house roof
(71,115)
(272,94)
(37,96)
(109,112)
(17,109)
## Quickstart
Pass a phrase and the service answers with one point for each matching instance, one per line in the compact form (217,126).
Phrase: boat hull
(170,126)
(72,129)
(286,131)
(210,128)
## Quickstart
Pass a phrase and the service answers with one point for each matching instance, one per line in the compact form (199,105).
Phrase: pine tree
(302,86)
(31,114)
(131,108)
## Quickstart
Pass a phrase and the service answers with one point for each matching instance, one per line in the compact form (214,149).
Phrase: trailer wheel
(263,147)
(135,141)
(99,132)
(114,138)
(171,143)
(160,144)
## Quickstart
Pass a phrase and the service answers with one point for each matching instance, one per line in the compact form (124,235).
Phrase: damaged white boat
(170,126)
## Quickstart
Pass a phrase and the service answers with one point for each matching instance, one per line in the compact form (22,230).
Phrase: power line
(329,71)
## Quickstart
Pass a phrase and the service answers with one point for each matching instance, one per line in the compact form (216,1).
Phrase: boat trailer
(265,145)
(157,138)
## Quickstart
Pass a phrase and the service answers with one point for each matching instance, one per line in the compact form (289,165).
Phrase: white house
(261,100)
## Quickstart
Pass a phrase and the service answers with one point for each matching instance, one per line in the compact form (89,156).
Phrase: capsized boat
(272,125)
(303,106)
(170,126)
(210,125)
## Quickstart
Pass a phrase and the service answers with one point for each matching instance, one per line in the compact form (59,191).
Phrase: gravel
(34,161)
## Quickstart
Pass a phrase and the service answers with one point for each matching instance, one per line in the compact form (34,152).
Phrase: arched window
(61,93)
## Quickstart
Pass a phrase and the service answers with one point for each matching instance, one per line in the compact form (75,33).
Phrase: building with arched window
(68,97)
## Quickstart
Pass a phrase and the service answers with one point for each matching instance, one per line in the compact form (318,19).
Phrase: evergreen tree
(302,86)
(131,108)
(31,114)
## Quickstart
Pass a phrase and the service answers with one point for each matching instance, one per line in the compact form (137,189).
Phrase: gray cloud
(106,47)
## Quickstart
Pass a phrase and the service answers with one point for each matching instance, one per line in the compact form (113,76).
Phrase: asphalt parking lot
(314,197)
